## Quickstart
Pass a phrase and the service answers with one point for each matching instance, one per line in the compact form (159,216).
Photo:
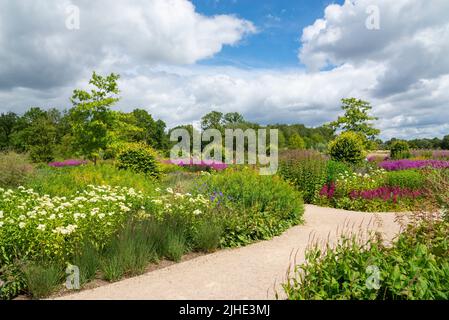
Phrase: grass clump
(15,169)
(42,279)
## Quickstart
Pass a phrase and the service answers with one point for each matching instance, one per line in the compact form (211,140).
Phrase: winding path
(252,272)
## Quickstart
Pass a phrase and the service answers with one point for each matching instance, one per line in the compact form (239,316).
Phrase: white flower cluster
(173,201)
(26,209)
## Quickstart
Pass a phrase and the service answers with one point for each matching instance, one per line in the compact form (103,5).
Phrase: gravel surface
(252,272)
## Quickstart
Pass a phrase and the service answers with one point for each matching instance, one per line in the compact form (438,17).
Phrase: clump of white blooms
(34,220)
(53,224)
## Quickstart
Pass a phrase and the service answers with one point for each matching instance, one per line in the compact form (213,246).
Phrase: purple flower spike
(67,163)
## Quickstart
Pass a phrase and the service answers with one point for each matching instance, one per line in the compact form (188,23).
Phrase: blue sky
(280,23)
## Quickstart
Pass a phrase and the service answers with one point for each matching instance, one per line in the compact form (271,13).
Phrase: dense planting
(257,207)
(394,185)
(416,266)
(112,223)
(306,170)
(405,164)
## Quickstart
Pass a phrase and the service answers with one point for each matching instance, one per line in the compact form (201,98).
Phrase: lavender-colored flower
(395,165)
(67,163)
(386,194)
(203,164)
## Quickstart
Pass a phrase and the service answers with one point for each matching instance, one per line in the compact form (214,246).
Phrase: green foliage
(87,259)
(38,132)
(411,179)
(296,142)
(336,169)
(69,180)
(40,227)
(347,147)
(256,207)
(400,150)
(347,182)
(14,169)
(415,267)
(356,119)
(138,158)
(212,120)
(208,235)
(175,246)
(12,282)
(438,189)
(129,252)
(220,121)
(91,117)
(42,279)
(8,122)
(445,143)
(306,170)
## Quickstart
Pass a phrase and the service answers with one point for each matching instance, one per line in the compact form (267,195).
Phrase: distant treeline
(47,134)
(424,143)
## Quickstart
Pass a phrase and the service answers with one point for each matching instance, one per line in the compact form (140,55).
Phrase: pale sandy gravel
(252,272)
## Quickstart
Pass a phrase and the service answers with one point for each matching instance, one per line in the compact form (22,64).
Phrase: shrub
(14,169)
(347,147)
(306,170)
(400,150)
(66,181)
(42,153)
(255,207)
(416,266)
(138,158)
(335,169)
(411,179)
(12,282)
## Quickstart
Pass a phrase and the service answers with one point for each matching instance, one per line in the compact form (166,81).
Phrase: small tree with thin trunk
(91,118)
(356,119)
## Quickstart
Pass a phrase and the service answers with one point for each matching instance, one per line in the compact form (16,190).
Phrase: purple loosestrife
(67,163)
(434,154)
(216,165)
(395,165)
(328,190)
(386,194)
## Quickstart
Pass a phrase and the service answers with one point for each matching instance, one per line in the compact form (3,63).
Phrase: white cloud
(402,69)
(411,44)
(38,50)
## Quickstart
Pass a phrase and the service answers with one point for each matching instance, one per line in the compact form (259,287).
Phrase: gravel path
(252,272)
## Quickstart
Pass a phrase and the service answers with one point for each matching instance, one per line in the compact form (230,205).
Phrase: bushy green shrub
(347,147)
(416,266)
(335,169)
(306,170)
(400,149)
(138,158)
(14,169)
(411,179)
(12,281)
(257,207)
(69,180)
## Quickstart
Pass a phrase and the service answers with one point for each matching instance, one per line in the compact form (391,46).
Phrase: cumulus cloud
(411,44)
(402,68)
(38,51)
